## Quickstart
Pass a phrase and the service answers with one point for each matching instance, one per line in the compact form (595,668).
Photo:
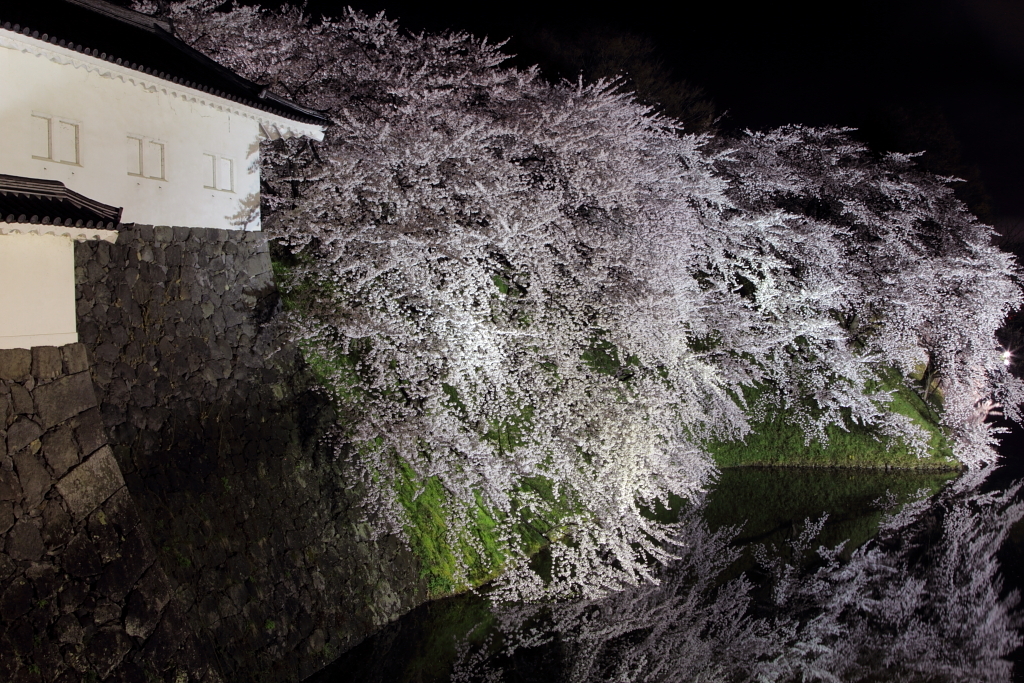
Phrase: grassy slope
(429,515)
(777,442)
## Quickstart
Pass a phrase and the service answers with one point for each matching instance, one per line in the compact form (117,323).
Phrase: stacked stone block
(82,597)
(220,436)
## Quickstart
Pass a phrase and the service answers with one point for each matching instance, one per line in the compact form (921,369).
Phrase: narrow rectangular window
(153,163)
(134,156)
(67,142)
(225,177)
(210,171)
(41,138)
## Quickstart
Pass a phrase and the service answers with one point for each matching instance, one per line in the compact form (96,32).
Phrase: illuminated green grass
(440,557)
(777,442)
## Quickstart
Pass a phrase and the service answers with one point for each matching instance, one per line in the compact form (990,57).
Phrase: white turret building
(122,117)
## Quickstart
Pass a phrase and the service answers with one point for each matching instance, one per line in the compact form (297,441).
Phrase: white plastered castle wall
(37,283)
(37,291)
(209,172)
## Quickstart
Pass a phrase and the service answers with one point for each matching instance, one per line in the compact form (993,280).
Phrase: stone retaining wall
(218,432)
(82,597)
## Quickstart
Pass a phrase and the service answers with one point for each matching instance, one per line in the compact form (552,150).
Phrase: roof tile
(50,202)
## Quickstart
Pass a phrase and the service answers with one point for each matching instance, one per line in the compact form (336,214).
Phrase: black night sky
(946,76)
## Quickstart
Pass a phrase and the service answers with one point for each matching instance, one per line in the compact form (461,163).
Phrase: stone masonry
(82,595)
(219,434)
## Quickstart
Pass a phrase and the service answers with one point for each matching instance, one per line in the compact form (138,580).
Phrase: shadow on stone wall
(83,597)
(219,434)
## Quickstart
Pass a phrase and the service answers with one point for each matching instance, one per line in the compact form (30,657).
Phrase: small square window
(218,173)
(147,158)
(54,139)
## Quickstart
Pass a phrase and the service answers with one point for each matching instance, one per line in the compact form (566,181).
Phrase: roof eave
(272,125)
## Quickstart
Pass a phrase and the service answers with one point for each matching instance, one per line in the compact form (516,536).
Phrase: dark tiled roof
(142,43)
(49,202)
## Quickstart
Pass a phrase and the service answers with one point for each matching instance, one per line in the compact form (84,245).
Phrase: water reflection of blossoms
(923,601)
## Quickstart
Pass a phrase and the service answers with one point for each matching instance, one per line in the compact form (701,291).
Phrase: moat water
(788,575)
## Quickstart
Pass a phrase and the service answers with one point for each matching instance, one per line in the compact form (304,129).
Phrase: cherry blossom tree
(504,280)
(920,284)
